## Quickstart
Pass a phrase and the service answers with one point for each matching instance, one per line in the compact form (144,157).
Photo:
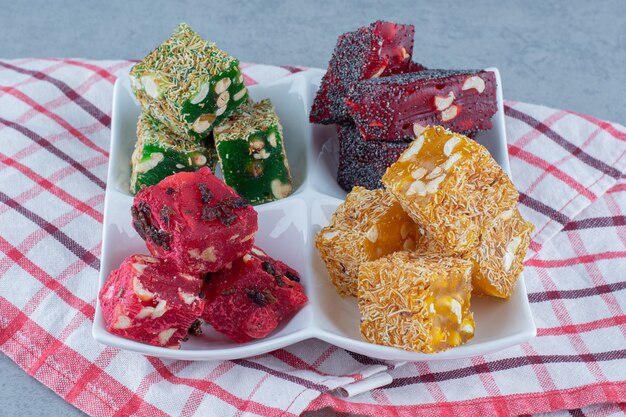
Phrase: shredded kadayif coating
(415,302)
(368,225)
(450,184)
(499,256)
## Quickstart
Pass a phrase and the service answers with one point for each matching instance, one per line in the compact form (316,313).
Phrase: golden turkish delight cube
(450,184)
(368,225)
(499,256)
(415,302)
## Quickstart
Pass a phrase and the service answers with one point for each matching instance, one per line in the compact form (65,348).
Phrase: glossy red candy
(148,300)
(194,220)
(378,50)
(400,106)
(250,298)
(364,162)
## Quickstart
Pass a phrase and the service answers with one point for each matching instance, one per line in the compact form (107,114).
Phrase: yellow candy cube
(414,302)
(368,225)
(450,185)
(499,256)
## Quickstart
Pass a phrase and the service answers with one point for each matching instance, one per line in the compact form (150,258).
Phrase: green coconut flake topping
(182,60)
(247,119)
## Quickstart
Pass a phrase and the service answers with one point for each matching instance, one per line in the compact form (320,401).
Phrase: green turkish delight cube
(188,84)
(252,153)
(159,153)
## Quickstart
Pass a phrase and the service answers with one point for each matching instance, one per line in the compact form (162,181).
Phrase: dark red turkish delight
(364,162)
(146,299)
(194,220)
(378,50)
(250,298)
(400,106)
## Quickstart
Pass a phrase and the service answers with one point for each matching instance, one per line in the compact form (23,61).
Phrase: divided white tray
(286,230)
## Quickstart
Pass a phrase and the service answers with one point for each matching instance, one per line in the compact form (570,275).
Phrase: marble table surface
(567,55)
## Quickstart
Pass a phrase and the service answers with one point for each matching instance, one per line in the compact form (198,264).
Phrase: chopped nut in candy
(194,220)
(368,225)
(249,298)
(450,185)
(188,84)
(252,153)
(363,162)
(148,300)
(417,303)
(400,106)
(499,256)
(377,50)
(159,153)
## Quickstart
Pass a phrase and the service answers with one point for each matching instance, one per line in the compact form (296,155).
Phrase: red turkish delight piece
(377,50)
(194,220)
(400,106)
(364,162)
(148,300)
(250,298)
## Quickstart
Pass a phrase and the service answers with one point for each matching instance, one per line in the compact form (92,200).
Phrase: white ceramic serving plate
(286,230)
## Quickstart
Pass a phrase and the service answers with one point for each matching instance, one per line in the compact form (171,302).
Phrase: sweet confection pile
(381,99)
(429,222)
(430,218)
(196,112)
(199,229)
(204,266)
(444,228)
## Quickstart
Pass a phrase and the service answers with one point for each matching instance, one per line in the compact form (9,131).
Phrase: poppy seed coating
(364,162)
(379,50)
